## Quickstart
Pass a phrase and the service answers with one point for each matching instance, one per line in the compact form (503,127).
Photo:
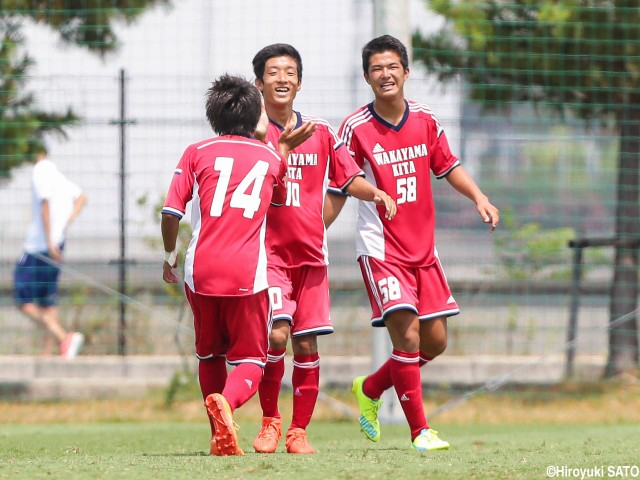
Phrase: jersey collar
(298,121)
(387,124)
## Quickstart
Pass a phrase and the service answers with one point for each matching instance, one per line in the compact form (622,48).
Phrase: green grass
(167,450)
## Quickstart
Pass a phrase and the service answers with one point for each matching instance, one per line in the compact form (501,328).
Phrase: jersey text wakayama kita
(398,155)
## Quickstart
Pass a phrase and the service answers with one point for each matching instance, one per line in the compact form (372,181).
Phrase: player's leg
(209,340)
(269,390)
(30,290)
(391,290)
(312,318)
(274,370)
(436,304)
(212,374)
(283,308)
(246,321)
(48,322)
(433,338)
(404,330)
(72,342)
(305,384)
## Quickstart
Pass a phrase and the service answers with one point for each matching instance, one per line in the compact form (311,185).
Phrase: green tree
(575,57)
(85,24)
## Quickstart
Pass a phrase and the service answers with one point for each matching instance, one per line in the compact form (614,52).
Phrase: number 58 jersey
(398,159)
(230,181)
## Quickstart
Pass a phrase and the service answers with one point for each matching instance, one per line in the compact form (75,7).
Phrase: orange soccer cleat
(296,441)
(269,435)
(213,448)
(225,437)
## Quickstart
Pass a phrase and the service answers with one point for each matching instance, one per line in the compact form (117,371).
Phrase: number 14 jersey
(231,181)
(398,159)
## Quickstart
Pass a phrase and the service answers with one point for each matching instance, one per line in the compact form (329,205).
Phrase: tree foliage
(581,56)
(88,25)
(578,57)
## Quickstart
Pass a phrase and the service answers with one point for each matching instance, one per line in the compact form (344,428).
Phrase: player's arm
(459,179)
(45,213)
(333,203)
(169,225)
(179,194)
(363,190)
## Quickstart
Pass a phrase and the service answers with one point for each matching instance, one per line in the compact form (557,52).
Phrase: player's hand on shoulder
(390,206)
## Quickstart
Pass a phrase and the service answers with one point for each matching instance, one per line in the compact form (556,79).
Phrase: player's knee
(434,347)
(440,347)
(278,338)
(305,345)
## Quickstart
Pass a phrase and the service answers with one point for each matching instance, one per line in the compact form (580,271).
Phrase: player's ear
(366,77)
(406,73)
(258,83)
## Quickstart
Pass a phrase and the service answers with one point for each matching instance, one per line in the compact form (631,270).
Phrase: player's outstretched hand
(293,138)
(382,198)
(489,214)
(167,273)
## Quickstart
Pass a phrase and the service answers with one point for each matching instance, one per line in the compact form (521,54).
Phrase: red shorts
(233,327)
(391,287)
(300,296)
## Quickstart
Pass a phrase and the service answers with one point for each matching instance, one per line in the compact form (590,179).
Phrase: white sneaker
(71,345)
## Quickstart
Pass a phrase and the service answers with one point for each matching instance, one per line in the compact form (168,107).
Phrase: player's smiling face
(386,75)
(280,82)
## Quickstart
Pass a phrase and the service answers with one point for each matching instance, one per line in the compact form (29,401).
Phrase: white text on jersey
(401,154)
(302,159)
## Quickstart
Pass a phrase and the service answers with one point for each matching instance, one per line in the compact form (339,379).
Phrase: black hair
(384,43)
(275,50)
(233,106)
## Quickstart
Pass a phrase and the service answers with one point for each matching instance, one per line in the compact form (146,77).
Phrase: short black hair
(384,43)
(275,50)
(233,106)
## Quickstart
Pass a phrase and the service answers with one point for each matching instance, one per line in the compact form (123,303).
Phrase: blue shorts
(35,281)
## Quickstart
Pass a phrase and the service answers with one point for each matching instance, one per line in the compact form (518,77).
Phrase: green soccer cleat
(429,440)
(369,407)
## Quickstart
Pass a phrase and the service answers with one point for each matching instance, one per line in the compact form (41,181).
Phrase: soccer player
(296,237)
(231,180)
(56,203)
(399,143)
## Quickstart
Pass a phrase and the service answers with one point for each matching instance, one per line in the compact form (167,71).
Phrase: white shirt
(48,183)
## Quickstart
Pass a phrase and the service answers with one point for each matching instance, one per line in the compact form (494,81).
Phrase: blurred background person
(56,202)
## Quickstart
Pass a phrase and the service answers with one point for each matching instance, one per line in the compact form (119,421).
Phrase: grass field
(509,435)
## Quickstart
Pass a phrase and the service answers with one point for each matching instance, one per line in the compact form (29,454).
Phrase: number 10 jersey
(296,234)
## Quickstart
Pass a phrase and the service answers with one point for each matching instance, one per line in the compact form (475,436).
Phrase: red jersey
(296,235)
(399,159)
(230,181)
